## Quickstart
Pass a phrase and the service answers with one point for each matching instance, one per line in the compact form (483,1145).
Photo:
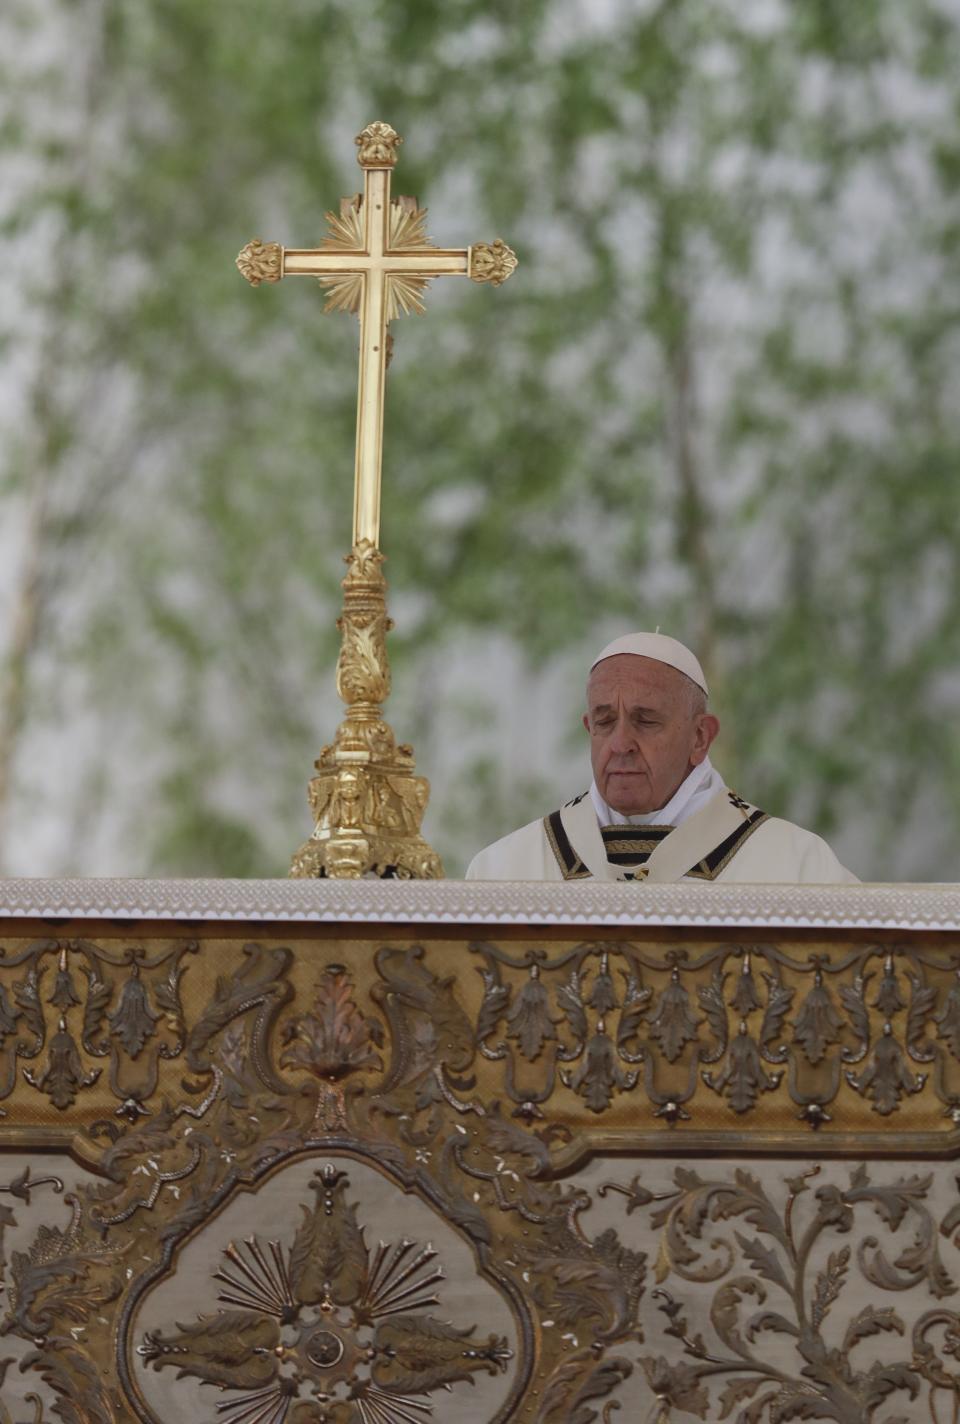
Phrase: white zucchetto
(661,649)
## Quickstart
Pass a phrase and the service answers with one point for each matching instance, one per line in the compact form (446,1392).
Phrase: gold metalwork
(333,1290)
(261,262)
(197,1074)
(492,262)
(376,261)
(786,1041)
(366,801)
(377,146)
(403,291)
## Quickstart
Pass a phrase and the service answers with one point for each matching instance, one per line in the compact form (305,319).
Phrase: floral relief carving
(134,1019)
(529,1017)
(482,1080)
(948,1019)
(432,1042)
(328,1319)
(65,1006)
(599,1075)
(333,1041)
(20,1188)
(366,802)
(886,1077)
(818,1023)
(800,1271)
(673,1023)
(260,261)
(492,262)
(743,1078)
(745,1022)
(63,1076)
(52,1281)
(600,1021)
(377,146)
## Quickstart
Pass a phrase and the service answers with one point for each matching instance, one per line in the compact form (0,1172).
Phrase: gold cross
(376,261)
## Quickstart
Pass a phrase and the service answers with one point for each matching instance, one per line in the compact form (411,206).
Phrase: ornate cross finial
(376,261)
(377,146)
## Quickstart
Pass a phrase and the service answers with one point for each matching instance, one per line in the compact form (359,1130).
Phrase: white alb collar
(690,796)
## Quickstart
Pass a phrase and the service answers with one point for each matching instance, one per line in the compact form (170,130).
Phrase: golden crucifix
(376,261)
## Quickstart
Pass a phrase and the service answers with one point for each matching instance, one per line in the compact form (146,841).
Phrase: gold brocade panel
(311,1178)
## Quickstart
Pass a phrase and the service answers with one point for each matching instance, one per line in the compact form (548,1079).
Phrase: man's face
(647,731)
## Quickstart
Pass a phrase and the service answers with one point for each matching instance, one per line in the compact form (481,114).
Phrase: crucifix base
(366,799)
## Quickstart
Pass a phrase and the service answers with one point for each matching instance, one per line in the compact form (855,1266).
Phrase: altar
(376,1151)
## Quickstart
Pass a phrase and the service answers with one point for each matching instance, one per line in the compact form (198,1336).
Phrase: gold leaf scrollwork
(367,804)
(377,146)
(363,674)
(364,568)
(693,1033)
(261,262)
(332,1042)
(64,1076)
(123,1009)
(794,1248)
(492,262)
(325,1315)
(783,1288)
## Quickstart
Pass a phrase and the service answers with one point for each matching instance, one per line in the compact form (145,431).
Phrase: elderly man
(656,810)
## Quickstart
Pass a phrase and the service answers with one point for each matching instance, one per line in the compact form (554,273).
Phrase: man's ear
(586,721)
(707,728)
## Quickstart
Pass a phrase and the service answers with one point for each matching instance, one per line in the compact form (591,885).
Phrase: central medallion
(324,1349)
(325,1319)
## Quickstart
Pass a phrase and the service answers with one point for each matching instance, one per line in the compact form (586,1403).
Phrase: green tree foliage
(719,396)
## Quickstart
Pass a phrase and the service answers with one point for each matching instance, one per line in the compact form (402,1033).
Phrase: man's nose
(623,740)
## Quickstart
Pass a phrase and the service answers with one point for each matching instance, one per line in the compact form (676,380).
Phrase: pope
(656,810)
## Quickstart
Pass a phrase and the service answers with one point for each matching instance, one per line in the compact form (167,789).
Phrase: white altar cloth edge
(508,903)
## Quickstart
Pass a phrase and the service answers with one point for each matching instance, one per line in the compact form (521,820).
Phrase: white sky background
(535,713)
(65,831)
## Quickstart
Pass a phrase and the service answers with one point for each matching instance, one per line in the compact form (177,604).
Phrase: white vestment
(705,832)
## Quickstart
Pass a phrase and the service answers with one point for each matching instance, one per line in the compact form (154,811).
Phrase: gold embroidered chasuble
(728,839)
